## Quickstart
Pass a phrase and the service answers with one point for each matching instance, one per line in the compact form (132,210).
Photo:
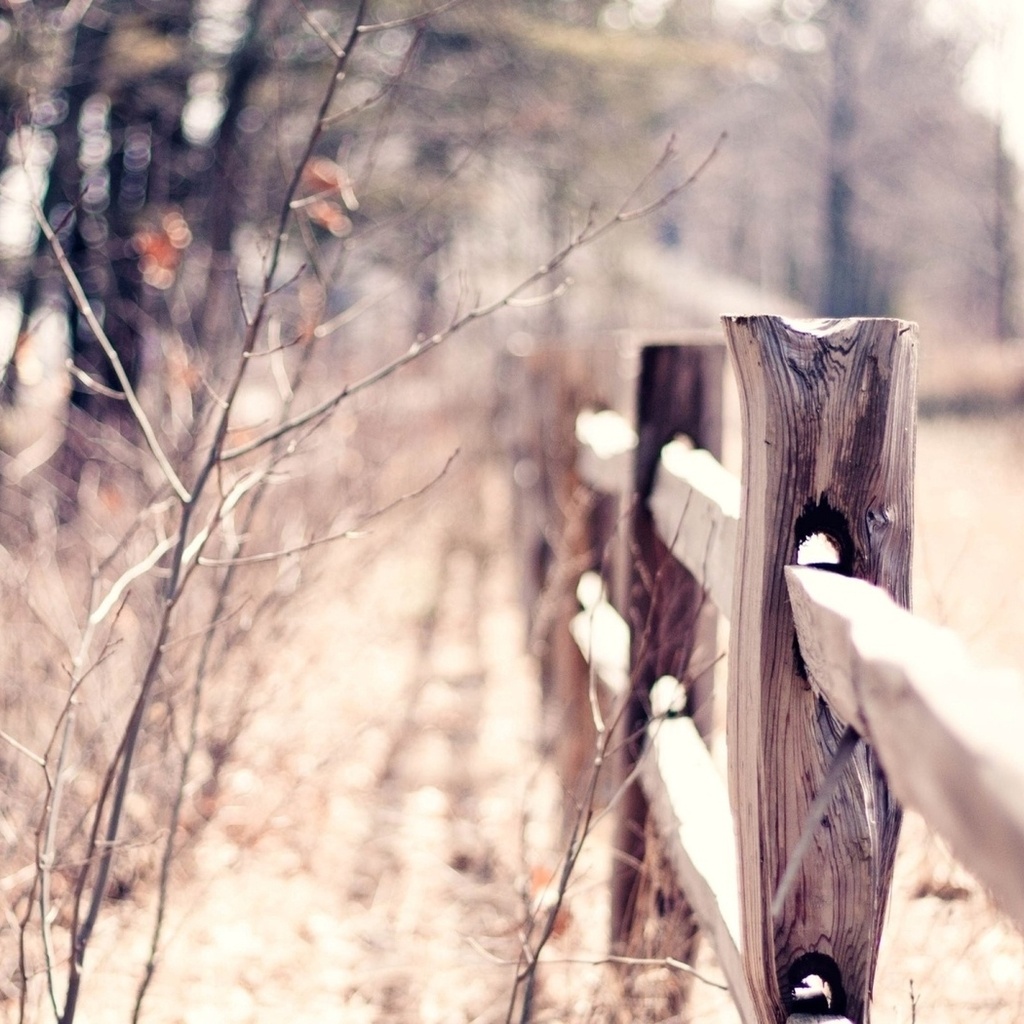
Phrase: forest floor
(369,844)
(386,813)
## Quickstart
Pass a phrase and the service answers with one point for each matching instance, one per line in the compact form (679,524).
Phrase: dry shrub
(80,623)
(662,927)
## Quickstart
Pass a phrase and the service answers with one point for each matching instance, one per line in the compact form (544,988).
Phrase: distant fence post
(828,452)
(562,530)
(678,392)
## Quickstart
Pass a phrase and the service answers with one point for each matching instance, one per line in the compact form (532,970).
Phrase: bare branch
(91,383)
(101,611)
(542,300)
(212,626)
(415,19)
(214,454)
(192,552)
(644,210)
(353,312)
(109,806)
(47,856)
(9,739)
(598,959)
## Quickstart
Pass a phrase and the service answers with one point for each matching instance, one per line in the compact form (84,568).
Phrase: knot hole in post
(815,986)
(822,538)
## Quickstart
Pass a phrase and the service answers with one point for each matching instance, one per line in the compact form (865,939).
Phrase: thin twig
(815,813)
(541,300)
(22,749)
(45,862)
(224,508)
(415,19)
(347,534)
(599,959)
(529,954)
(325,37)
(102,610)
(210,627)
(91,383)
(352,313)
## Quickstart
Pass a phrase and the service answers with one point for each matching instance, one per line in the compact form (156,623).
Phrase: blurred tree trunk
(850,285)
(1007,324)
(223,194)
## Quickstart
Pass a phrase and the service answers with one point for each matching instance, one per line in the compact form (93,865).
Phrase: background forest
(856,179)
(236,239)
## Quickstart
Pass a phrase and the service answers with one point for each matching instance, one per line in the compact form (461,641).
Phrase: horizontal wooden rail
(947,732)
(686,792)
(696,508)
(694,502)
(688,798)
(601,634)
(607,443)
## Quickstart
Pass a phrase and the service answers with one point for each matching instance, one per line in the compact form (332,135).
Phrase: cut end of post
(823,326)
(820,326)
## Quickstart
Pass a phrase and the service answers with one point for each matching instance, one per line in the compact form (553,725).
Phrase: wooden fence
(810,564)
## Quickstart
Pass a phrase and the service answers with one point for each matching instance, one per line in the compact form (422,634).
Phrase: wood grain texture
(678,392)
(829,426)
(947,732)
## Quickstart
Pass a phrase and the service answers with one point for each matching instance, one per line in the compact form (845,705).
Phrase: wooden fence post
(828,450)
(679,391)
(562,530)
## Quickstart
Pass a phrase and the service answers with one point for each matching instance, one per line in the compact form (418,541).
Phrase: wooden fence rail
(828,421)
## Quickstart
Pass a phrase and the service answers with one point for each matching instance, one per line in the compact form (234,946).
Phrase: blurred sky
(996,77)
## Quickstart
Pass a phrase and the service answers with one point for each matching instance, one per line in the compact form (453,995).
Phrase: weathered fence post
(828,451)
(562,529)
(678,392)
